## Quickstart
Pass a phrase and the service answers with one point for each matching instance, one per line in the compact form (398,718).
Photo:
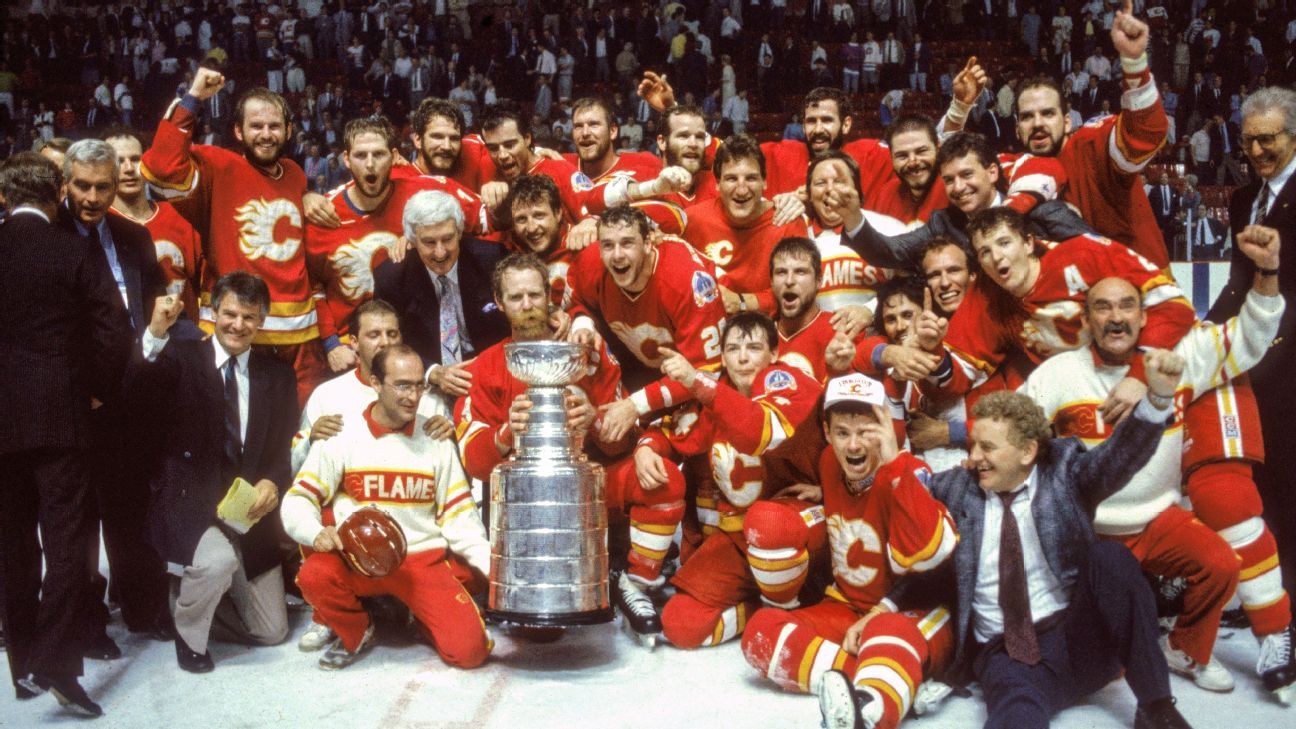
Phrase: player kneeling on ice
(391,463)
(864,659)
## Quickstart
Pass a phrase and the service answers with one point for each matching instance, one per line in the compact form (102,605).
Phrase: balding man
(1144,516)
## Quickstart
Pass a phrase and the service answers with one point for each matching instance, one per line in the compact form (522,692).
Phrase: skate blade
(1286,695)
(645,640)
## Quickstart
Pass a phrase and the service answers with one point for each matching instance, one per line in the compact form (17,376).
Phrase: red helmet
(372,542)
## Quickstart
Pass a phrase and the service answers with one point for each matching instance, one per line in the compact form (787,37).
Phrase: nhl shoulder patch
(581,182)
(704,287)
(779,380)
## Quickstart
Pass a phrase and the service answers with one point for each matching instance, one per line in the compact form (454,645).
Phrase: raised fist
(206,83)
(1163,369)
(1261,244)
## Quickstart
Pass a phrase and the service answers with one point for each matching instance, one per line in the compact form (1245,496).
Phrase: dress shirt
(152,346)
(1046,594)
(110,250)
(1275,186)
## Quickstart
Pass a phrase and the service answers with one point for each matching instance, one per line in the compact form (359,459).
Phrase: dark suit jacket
(1270,378)
(183,398)
(1158,204)
(1070,483)
(1217,144)
(1052,220)
(408,287)
(64,335)
(138,260)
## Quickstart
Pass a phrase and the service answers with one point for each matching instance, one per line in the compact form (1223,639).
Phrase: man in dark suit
(64,339)
(1046,614)
(120,497)
(1269,141)
(443,294)
(1225,146)
(1165,206)
(218,411)
(387,86)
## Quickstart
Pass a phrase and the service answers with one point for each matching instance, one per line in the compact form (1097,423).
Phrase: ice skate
(638,613)
(843,706)
(929,697)
(1277,667)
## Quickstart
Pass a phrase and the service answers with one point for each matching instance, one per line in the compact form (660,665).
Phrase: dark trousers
(1274,480)
(120,500)
(1110,624)
(44,618)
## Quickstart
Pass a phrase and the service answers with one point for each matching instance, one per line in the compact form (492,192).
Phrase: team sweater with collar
(415,479)
(1072,385)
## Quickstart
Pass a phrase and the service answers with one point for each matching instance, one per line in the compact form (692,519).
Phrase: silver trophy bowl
(548,518)
(546,363)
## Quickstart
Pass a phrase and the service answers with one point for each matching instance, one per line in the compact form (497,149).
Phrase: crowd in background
(70,69)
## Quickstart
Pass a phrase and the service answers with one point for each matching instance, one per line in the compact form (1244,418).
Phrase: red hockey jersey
(179,253)
(893,528)
(679,309)
(804,349)
(991,324)
(480,415)
(736,431)
(638,166)
(248,220)
(1103,160)
(741,255)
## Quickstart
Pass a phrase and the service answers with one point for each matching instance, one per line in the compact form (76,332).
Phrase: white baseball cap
(854,388)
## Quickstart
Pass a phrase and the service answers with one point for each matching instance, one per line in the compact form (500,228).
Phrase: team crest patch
(704,289)
(779,380)
(581,182)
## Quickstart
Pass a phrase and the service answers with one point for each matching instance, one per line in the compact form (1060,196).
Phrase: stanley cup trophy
(548,519)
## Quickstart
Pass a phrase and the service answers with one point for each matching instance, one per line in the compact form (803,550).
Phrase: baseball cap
(854,388)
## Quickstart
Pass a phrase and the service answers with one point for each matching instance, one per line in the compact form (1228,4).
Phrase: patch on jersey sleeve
(779,380)
(581,182)
(705,289)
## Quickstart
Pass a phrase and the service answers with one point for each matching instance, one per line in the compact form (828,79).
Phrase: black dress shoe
(1160,714)
(192,661)
(102,648)
(70,694)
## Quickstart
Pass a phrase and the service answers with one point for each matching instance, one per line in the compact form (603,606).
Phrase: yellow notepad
(234,508)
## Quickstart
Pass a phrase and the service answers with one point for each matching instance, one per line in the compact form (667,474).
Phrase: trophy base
(551,620)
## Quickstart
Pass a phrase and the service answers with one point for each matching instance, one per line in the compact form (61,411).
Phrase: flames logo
(1055,328)
(169,253)
(856,550)
(353,264)
(644,341)
(740,476)
(720,252)
(257,220)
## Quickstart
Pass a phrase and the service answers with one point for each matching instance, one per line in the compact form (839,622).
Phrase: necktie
(450,347)
(1165,198)
(1262,205)
(1014,597)
(233,431)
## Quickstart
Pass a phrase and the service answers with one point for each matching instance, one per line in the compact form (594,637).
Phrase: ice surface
(594,678)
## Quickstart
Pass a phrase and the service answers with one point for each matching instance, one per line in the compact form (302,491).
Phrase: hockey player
(833,183)
(647,295)
(247,209)
(683,142)
(737,231)
(882,524)
(1104,158)
(970,171)
(496,409)
(804,329)
(1144,515)
(753,407)
(595,132)
(418,481)
(827,117)
(342,259)
(179,249)
(538,227)
(443,147)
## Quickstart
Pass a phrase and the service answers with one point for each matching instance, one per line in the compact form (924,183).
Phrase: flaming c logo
(258,219)
(354,263)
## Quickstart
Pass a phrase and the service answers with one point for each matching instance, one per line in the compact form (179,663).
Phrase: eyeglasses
(408,388)
(1264,140)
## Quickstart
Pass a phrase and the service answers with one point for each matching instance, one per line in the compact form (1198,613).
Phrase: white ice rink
(594,678)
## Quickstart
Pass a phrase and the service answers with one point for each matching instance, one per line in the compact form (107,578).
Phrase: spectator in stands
(736,112)
(919,63)
(1030,30)
(872,64)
